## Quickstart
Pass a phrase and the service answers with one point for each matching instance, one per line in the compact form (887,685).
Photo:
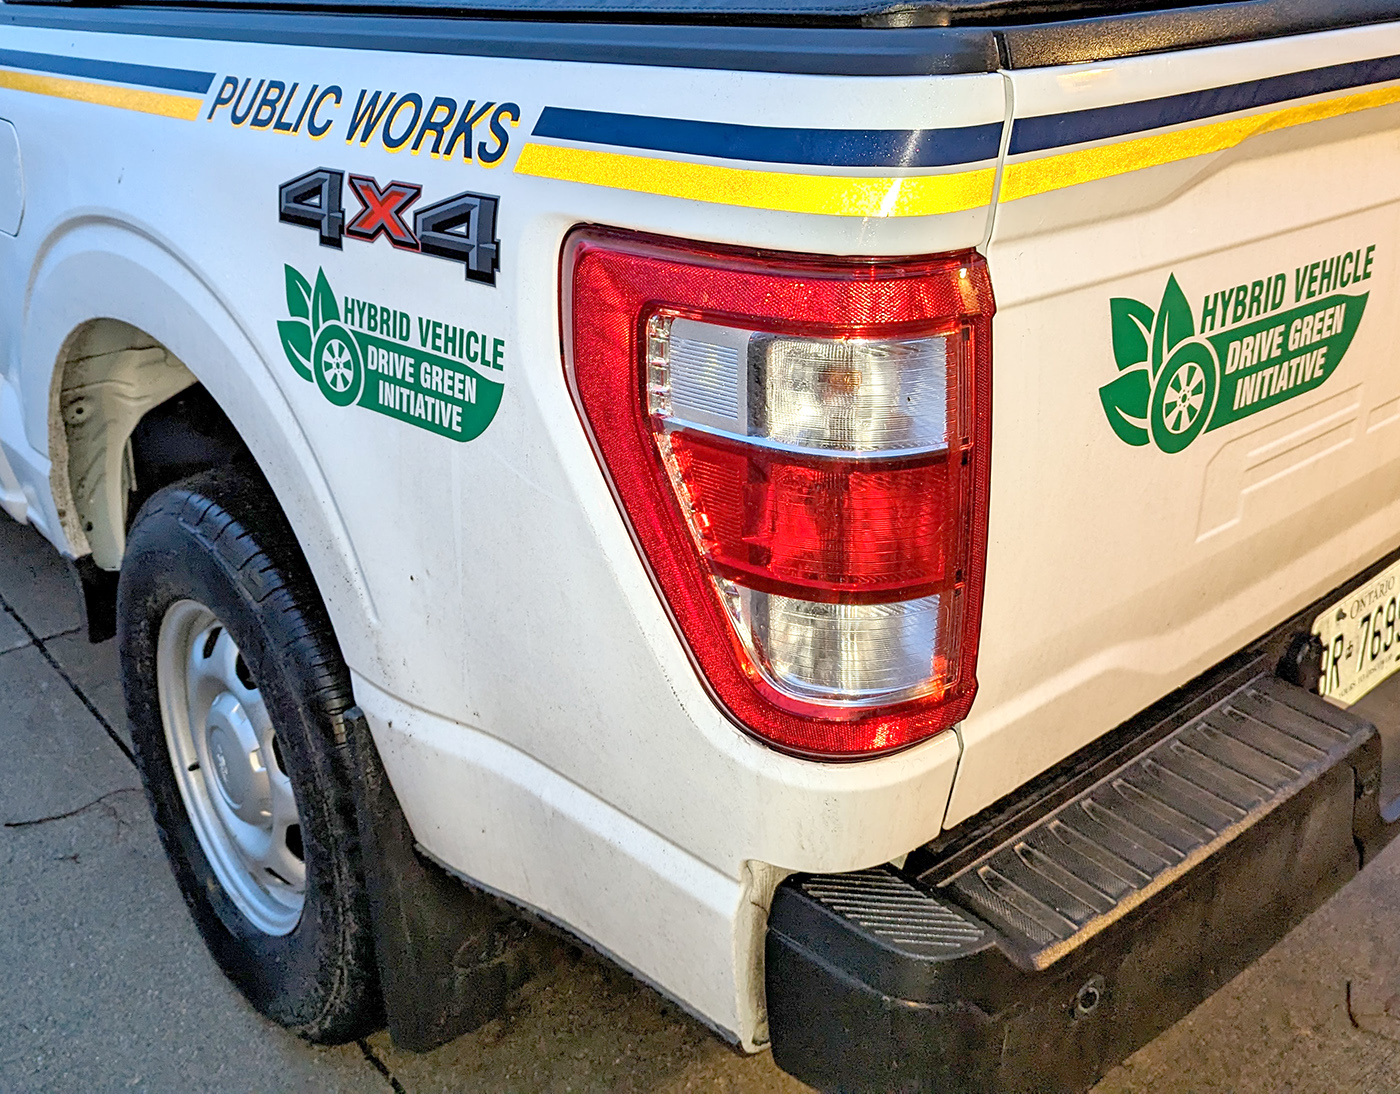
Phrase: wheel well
(186,434)
(127,418)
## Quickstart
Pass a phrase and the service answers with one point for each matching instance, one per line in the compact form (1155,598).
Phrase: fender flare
(95,266)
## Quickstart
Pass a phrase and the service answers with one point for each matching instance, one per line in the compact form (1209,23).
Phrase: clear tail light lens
(800,448)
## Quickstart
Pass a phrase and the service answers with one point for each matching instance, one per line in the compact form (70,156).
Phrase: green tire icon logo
(336,363)
(1183,396)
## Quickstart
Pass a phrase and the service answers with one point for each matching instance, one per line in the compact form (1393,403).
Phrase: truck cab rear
(878,528)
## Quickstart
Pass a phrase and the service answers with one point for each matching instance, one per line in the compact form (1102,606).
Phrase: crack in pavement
(380,1066)
(101,800)
(40,644)
(63,673)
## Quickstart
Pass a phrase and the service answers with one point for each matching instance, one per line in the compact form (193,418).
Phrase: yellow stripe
(147,102)
(1021,180)
(839,195)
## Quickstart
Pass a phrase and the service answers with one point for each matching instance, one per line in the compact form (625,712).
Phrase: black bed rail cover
(822,37)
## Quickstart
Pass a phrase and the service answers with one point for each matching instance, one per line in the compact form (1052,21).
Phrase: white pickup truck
(880,517)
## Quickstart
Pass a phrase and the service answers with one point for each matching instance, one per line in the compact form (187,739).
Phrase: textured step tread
(1086,863)
(900,914)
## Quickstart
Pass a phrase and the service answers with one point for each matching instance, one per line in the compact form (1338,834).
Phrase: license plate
(1360,638)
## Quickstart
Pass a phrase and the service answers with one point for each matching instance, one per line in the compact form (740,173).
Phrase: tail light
(800,448)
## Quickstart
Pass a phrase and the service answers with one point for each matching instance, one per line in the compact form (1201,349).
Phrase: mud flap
(99,597)
(449,957)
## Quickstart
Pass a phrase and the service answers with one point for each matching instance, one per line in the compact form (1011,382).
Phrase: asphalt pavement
(105,985)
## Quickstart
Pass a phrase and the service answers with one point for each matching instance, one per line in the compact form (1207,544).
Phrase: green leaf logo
(438,390)
(1126,399)
(1174,324)
(1132,327)
(323,306)
(296,333)
(298,295)
(1125,402)
(1149,403)
(296,344)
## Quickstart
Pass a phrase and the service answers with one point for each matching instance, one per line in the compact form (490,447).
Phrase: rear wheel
(235,686)
(228,766)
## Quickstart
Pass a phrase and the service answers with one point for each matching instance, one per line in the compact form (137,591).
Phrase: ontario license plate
(1360,638)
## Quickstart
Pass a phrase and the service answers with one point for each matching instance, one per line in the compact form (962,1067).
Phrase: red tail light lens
(857,531)
(800,448)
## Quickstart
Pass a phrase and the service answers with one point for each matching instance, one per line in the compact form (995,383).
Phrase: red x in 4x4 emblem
(382,211)
(460,228)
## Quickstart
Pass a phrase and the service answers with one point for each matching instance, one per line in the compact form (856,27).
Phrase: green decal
(1132,327)
(296,344)
(1274,359)
(1250,350)
(1125,403)
(340,370)
(436,375)
(1173,324)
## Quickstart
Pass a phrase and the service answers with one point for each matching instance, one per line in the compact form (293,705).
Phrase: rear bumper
(1044,941)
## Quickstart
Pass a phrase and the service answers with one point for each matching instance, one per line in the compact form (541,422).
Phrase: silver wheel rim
(221,743)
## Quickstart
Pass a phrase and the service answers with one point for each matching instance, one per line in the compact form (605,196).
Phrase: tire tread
(234,518)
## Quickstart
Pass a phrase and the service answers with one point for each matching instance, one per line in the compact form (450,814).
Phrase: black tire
(220,539)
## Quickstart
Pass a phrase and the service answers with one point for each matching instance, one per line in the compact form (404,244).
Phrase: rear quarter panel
(535,710)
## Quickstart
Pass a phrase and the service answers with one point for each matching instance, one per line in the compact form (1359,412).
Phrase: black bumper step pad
(1039,957)
(1048,889)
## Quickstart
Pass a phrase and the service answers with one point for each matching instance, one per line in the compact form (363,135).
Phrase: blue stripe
(1081,126)
(766,144)
(170,79)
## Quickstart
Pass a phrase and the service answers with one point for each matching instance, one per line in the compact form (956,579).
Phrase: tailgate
(1196,406)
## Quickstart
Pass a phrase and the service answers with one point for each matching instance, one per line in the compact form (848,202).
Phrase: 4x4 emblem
(461,228)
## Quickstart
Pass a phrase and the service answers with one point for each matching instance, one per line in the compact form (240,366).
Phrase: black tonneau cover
(865,13)
(828,37)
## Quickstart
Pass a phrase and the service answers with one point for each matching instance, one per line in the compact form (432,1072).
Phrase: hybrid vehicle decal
(461,228)
(438,125)
(1251,347)
(436,375)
